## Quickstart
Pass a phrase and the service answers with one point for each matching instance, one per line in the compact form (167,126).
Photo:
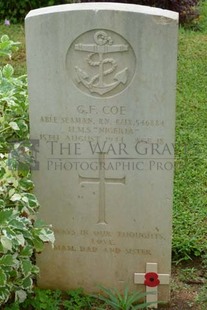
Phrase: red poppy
(151,279)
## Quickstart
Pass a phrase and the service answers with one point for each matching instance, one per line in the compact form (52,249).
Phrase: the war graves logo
(102,63)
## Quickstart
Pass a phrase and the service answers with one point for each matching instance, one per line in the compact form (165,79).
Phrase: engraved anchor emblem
(105,66)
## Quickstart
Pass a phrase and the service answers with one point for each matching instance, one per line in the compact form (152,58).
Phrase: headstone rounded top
(104,6)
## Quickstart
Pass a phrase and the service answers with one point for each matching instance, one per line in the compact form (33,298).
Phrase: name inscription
(95,123)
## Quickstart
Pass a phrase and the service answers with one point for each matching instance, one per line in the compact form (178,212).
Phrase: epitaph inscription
(102,63)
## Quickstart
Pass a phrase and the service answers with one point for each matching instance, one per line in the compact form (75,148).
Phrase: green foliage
(77,300)
(17,60)
(202,21)
(54,300)
(16,11)
(127,301)
(43,300)
(190,192)
(20,233)
(187,9)
(7,46)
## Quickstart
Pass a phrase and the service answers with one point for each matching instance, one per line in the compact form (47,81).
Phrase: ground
(187,286)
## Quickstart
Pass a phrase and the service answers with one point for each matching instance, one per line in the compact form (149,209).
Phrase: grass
(190,190)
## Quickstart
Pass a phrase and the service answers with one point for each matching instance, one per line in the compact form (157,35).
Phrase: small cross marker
(152,280)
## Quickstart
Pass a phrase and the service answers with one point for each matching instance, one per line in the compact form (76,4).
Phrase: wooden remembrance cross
(151,279)
(102,180)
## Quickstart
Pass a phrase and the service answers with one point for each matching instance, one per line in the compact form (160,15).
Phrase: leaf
(32,199)
(5,216)
(3,278)
(47,236)
(13,181)
(38,244)
(20,239)
(27,283)
(16,197)
(27,251)
(114,299)
(26,266)
(22,125)
(8,71)
(2,172)
(9,232)
(39,223)
(4,38)
(2,203)
(18,223)
(4,294)
(26,184)
(6,243)
(35,269)
(11,192)
(25,199)
(7,260)
(14,125)
(20,296)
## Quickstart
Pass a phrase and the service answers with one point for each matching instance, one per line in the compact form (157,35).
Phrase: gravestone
(102,81)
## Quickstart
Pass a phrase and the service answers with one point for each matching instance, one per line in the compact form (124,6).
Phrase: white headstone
(102,83)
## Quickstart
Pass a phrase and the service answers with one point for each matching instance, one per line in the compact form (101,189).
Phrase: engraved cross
(102,180)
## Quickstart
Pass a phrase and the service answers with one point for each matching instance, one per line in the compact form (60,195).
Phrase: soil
(187,286)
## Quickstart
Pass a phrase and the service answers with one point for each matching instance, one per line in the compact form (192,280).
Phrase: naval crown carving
(101,63)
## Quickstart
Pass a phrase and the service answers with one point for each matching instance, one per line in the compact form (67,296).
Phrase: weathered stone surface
(102,105)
